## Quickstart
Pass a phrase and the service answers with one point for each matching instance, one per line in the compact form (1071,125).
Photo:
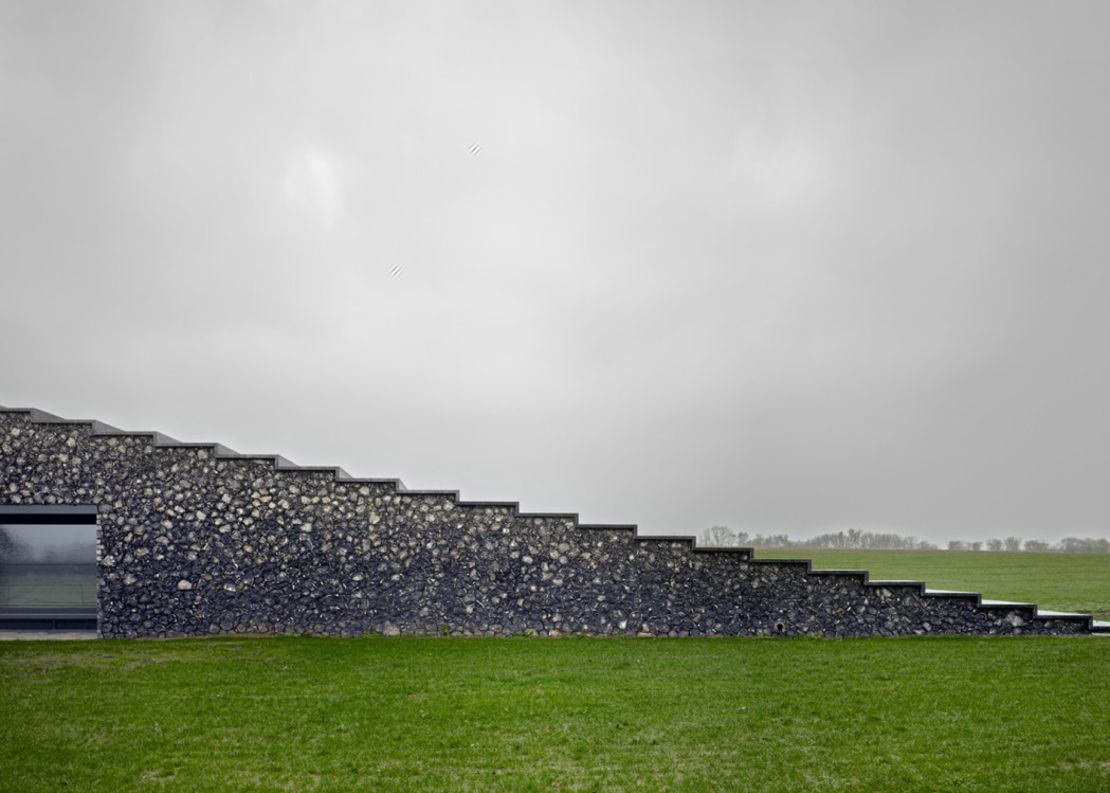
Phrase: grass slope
(1063,581)
(408,714)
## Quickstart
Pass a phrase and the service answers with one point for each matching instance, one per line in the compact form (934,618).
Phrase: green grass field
(410,714)
(1063,581)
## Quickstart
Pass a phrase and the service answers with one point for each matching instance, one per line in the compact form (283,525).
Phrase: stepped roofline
(194,537)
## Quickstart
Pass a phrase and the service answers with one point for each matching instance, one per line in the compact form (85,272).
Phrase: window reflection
(47,566)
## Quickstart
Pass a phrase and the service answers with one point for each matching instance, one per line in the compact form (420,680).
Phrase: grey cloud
(790,267)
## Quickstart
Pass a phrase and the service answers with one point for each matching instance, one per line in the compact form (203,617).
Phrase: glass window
(47,566)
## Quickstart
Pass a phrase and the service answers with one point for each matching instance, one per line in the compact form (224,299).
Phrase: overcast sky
(783,266)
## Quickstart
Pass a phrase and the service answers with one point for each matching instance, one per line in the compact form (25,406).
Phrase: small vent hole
(780,627)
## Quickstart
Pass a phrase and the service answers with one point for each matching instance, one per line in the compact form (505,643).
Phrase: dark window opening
(47,568)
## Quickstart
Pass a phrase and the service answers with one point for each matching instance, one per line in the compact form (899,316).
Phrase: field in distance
(967,714)
(1061,581)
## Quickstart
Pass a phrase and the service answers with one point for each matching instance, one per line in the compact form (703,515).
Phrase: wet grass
(409,714)
(1062,581)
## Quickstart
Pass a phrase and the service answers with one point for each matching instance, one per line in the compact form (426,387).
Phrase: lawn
(1063,581)
(412,714)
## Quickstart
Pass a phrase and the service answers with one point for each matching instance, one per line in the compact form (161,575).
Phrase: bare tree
(719,536)
(1083,545)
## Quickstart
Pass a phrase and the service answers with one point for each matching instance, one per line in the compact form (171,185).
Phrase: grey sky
(785,266)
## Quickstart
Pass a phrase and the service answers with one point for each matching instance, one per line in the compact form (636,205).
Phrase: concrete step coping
(944,592)
(162,441)
(999,604)
(1061,614)
(280,463)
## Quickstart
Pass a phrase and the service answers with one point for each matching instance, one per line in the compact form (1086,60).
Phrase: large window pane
(47,566)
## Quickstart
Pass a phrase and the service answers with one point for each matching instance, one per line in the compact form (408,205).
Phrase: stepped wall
(195,540)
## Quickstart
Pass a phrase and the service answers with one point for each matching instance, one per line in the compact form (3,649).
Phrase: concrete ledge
(46,636)
(666,538)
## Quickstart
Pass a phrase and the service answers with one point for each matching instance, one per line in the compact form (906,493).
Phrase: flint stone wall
(190,544)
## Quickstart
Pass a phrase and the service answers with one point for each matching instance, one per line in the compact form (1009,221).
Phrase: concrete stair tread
(949,592)
(1053,614)
(985,602)
(100,428)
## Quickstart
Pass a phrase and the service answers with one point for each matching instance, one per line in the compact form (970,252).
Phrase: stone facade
(196,540)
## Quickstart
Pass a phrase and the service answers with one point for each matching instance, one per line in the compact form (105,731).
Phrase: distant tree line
(723,536)
(853,538)
(1066,545)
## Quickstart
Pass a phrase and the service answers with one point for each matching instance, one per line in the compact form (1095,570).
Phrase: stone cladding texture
(190,543)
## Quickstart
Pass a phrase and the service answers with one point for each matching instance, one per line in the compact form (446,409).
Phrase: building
(136,534)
